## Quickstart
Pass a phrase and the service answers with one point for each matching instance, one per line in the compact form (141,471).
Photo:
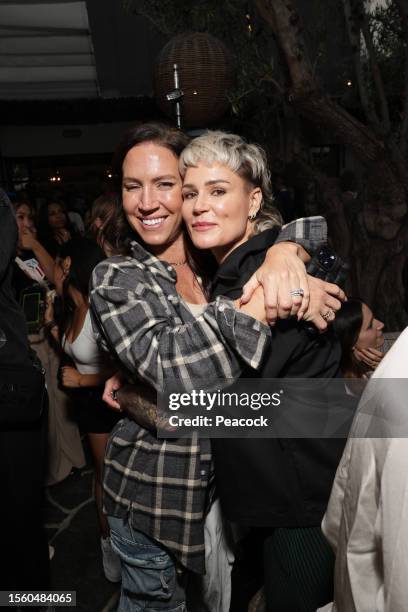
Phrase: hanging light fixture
(204,75)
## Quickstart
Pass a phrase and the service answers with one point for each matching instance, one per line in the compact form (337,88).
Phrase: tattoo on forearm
(139,403)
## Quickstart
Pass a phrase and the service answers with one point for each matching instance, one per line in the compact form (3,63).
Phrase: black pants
(295,566)
(24,547)
(299,570)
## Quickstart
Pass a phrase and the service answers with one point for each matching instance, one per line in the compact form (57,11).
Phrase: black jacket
(268,481)
(14,348)
(22,389)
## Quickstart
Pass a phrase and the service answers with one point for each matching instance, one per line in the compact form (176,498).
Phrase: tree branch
(403,10)
(285,23)
(377,76)
(353,31)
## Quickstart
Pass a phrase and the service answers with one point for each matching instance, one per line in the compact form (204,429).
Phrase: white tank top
(196,309)
(84,350)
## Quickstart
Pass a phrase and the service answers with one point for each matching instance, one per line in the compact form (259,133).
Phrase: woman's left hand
(284,279)
(325,300)
(70,377)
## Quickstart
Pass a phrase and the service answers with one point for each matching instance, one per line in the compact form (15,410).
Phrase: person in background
(89,367)
(29,249)
(33,271)
(108,225)
(23,426)
(54,226)
(361,338)
(366,521)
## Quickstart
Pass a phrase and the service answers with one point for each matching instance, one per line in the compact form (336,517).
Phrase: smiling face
(151,194)
(370,335)
(217,204)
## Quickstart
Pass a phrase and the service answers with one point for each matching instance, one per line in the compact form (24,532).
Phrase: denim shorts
(150,581)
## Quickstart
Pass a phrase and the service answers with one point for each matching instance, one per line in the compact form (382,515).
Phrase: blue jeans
(150,581)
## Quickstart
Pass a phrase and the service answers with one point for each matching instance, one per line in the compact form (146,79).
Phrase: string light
(55,178)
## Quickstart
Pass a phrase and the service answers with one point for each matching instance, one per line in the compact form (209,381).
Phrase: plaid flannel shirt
(162,484)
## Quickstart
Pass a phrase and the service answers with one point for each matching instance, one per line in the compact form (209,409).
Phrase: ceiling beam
(24,2)
(46,73)
(46,44)
(25,61)
(21,31)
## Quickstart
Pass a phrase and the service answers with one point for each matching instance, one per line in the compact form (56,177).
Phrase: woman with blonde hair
(276,487)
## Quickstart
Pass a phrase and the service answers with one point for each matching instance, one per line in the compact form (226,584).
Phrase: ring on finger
(328,315)
(297,292)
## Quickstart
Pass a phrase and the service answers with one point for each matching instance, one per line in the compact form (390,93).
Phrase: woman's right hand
(255,307)
(112,385)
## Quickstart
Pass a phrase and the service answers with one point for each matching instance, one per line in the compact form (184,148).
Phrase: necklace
(178,263)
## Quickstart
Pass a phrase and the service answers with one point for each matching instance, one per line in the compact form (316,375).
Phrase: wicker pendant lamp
(205,72)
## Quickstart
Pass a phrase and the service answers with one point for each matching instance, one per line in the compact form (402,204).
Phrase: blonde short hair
(245,159)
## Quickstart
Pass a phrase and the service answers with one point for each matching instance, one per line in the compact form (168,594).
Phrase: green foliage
(259,95)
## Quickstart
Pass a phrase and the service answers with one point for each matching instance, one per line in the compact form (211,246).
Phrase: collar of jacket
(235,264)
(155,265)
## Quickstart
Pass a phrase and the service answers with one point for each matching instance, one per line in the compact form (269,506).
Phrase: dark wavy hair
(45,232)
(85,254)
(115,231)
(347,326)
(202,263)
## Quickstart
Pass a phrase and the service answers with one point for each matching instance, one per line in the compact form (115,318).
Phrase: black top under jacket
(271,482)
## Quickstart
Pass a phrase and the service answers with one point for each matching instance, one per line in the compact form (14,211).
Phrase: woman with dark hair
(75,262)
(32,268)
(360,336)
(151,308)
(54,227)
(29,246)
(108,225)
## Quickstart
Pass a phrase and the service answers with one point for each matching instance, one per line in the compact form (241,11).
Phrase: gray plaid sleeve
(309,232)
(137,323)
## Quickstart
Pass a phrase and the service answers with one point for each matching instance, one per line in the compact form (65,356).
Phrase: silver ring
(327,315)
(297,292)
